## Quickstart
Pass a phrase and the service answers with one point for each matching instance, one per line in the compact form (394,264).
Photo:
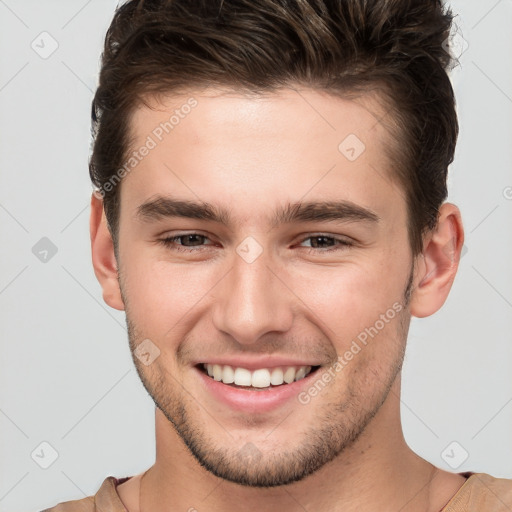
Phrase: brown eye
(184,241)
(326,243)
(193,239)
(322,241)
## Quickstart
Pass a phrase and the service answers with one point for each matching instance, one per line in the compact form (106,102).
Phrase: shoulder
(106,498)
(482,493)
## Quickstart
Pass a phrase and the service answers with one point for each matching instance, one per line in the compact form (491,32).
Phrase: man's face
(265,293)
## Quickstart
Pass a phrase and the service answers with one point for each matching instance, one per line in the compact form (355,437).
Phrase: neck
(377,472)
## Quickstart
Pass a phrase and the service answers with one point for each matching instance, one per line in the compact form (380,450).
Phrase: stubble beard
(338,426)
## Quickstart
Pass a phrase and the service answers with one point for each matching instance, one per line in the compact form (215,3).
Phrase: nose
(252,301)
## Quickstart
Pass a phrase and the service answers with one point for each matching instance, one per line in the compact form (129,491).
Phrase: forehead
(287,113)
(240,148)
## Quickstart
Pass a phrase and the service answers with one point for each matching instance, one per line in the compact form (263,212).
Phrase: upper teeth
(260,378)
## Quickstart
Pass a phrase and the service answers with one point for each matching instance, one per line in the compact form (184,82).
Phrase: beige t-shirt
(480,493)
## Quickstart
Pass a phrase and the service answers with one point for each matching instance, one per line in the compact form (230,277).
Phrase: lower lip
(250,400)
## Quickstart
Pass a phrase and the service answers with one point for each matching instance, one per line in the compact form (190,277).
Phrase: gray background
(67,378)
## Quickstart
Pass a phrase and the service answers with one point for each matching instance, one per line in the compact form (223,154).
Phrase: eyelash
(170,242)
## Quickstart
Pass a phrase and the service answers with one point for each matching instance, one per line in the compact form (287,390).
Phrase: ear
(437,265)
(103,256)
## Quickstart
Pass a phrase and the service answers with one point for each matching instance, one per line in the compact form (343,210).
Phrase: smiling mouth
(258,380)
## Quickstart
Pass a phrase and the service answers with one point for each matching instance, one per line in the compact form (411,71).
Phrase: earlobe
(437,266)
(103,256)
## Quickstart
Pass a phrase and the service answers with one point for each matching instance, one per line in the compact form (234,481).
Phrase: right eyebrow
(162,207)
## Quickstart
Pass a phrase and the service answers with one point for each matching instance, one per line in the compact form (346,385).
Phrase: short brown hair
(394,47)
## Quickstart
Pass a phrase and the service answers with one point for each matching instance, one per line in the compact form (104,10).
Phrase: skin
(344,450)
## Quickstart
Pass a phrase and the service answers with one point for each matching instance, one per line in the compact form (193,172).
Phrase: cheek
(164,297)
(353,294)
(161,293)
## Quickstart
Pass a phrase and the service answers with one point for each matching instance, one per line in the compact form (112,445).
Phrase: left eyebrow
(160,207)
(321,211)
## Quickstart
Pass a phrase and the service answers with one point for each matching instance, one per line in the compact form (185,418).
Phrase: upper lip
(255,363)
